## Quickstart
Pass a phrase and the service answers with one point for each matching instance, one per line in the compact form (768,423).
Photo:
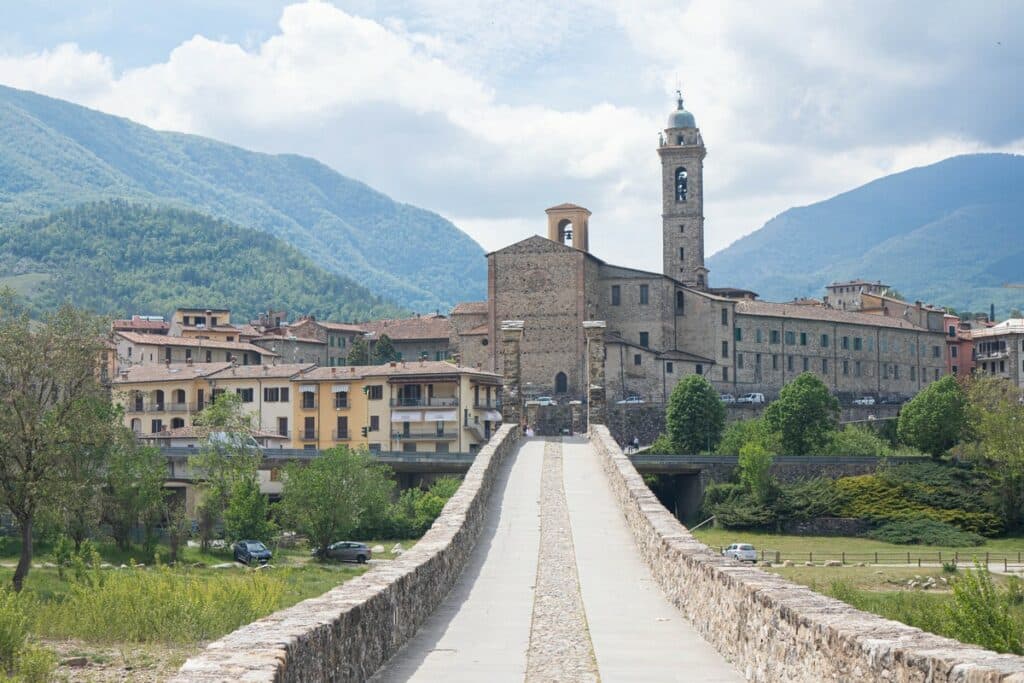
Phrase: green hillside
(54,154)
(120,258)
(951,234)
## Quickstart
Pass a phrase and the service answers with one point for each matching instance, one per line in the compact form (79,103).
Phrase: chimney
(394,364)
(124,374)
(334,371)
(991,313)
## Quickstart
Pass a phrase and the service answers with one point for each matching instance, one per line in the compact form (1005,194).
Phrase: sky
(490,112)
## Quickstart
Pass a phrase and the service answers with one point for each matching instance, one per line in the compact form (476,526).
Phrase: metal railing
(1008,559)
(305,405)
(341,436)
(435,402)
(425,436)
(309,435)
(487,405)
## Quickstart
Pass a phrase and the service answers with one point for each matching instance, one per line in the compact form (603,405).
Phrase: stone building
(661,327)
(999,350)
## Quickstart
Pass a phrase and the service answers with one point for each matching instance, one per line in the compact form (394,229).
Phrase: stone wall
(347,633)
(772,629)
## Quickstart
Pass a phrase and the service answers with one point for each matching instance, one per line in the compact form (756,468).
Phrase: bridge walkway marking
(482,630)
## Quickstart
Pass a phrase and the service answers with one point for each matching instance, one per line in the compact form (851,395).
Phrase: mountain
(951,234)
(54,155)
(120,258)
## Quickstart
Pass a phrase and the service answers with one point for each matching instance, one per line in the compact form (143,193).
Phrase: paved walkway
(585,593)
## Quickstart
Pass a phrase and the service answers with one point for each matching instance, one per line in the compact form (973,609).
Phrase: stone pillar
(511,396)
(596,406)
(578,424)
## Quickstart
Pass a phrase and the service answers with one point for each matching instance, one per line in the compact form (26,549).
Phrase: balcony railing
(309,405)
(993,355)
(425,436)
(341,436)
(180,407)
(435,402)
(493,404)
(165,407)
(309,435)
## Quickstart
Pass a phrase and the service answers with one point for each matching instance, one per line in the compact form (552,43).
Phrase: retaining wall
(347,633)
(775,630)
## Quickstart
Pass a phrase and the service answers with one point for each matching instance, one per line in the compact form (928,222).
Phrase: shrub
(924,532)
(735,508)
(808,499)
(662,446)
(755,464)
(24,661)
(983,615)
(857,440)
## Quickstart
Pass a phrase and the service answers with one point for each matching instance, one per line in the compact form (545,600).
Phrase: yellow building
(162,397)
(329,408)
(209,323)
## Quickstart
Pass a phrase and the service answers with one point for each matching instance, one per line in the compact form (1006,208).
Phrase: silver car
(349,551)
(744,552)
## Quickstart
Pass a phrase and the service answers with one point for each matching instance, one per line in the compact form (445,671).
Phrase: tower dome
(681,118)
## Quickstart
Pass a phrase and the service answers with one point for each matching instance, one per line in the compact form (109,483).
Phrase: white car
(630,400)
(751,398)
(727,398)
(546,401)
(864,401)
(744,552)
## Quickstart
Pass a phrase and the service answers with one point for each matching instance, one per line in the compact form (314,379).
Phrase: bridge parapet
(348,632)
(773,629)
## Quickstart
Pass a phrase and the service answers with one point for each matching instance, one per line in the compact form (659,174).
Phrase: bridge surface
(555,590)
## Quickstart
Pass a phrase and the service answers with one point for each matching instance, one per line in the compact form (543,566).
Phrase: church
(661,327)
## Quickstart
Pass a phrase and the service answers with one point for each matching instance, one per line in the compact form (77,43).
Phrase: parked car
(347,551)
(891,400)
(546,401)
(751,398)
(744,552)
(630,400)
(248,552)
(727,398)
(864,401)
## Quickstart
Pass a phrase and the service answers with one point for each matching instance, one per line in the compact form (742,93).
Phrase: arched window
(177,423)
(179,397)
(561,383)
(158,399)
(680,184)
(680,302)
(565,232)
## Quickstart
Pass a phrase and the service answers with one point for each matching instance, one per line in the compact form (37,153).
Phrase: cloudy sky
(490,112)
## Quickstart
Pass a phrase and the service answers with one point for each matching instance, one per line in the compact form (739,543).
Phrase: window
(342,427)
(669,368)
(680,303)
(375,392)
(409,447)
(284,394)
(857,343)
(282,426)
(637,359)
(824,341)
(856,368)
(699,369)
(682,254)
(937,373)
(913,373)
(739,361)
(644,339)
(954,369)
(871,343)
(209,356)
(773,337)
(789,363)
(341,399)
(807,363)
(803,339)
(846,342)
(156,426)
(680,184)
(952,330)
(309,428)
(561,383)
(616,295)
(230,338)
(824,366)
(374,423)
(935,352)
(245,395)
(737,334)
(775,361)
(791,338)
(725,316)
(271,394)
(758,336)
(895,372)
(308,399)
(682,229)
(374,448)
(725,374)
(441,447)
(167,353)
(644,294)
(188,354)
(952,352)
(846,368)
(725,349)
(213,322)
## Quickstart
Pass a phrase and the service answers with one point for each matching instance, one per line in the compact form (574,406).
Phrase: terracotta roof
(676,354)
(404,329)
(288,338)
(858,282)
(161,340)
(338,327)
(804,312)
(202,309)
(284,370)
(192,433)
(430,367)
(567,205)
(159,372)
(470,307)
(142,325)
(1011,326)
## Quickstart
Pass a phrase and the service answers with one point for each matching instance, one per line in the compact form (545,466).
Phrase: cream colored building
(266,394)
(156,349)
(999,350)
(157,397)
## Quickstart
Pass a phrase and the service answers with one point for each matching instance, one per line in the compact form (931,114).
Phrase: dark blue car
(248,552)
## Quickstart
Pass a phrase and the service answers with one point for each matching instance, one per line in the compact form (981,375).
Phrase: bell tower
(682,152)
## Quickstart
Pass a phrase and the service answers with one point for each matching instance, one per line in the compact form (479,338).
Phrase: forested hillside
(951,233)
(54,154)
(120,258)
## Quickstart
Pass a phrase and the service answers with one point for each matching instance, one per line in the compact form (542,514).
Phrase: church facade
(664,326)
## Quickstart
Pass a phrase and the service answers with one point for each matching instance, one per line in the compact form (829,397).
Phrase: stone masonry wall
(347,633)
(772,629)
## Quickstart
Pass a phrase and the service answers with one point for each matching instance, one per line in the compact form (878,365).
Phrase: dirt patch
(129,662)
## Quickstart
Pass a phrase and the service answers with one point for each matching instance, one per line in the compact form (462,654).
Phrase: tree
(742,432)
(997,420)
(52,408)
(935,419)
(805,415)
(246,513)
(334,494)
(358,352)
(755,463)
(228,455)
(134,490)
(857,440)
(384,350)
(695,416)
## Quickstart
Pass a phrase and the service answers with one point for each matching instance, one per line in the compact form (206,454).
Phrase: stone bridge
(554,562)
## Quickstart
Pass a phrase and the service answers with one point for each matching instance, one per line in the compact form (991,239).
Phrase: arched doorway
(561,383)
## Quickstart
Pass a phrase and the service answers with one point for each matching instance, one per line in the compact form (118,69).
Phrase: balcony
(425,436)
(341,436)
(435,402)
(308,435)
(180,407)
(993,355)
(309,405)
(493,404)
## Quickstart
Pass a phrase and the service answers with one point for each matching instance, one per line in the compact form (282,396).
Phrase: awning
(339,389)
(311,388)
(441,416)
(492,416)
(406,416)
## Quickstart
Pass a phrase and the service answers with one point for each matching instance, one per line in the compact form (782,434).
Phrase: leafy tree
(179,528)
(894,293)
(134,490)
(857,440)
(935,419)
(228,455)
(358,352)
(742,432)
(695,416)
(384,350)
(805,415)
(52,409)
(755,463)
(246,515)
(997,419)
(334,494)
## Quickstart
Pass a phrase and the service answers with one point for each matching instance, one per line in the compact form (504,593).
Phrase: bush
(662,446)
(808,499)
(18,658)
(743,432)
(984,615)
(735,508)
(857,440)
(924,532)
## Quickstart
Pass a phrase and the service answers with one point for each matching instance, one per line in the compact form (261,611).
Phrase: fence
(1010,560)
